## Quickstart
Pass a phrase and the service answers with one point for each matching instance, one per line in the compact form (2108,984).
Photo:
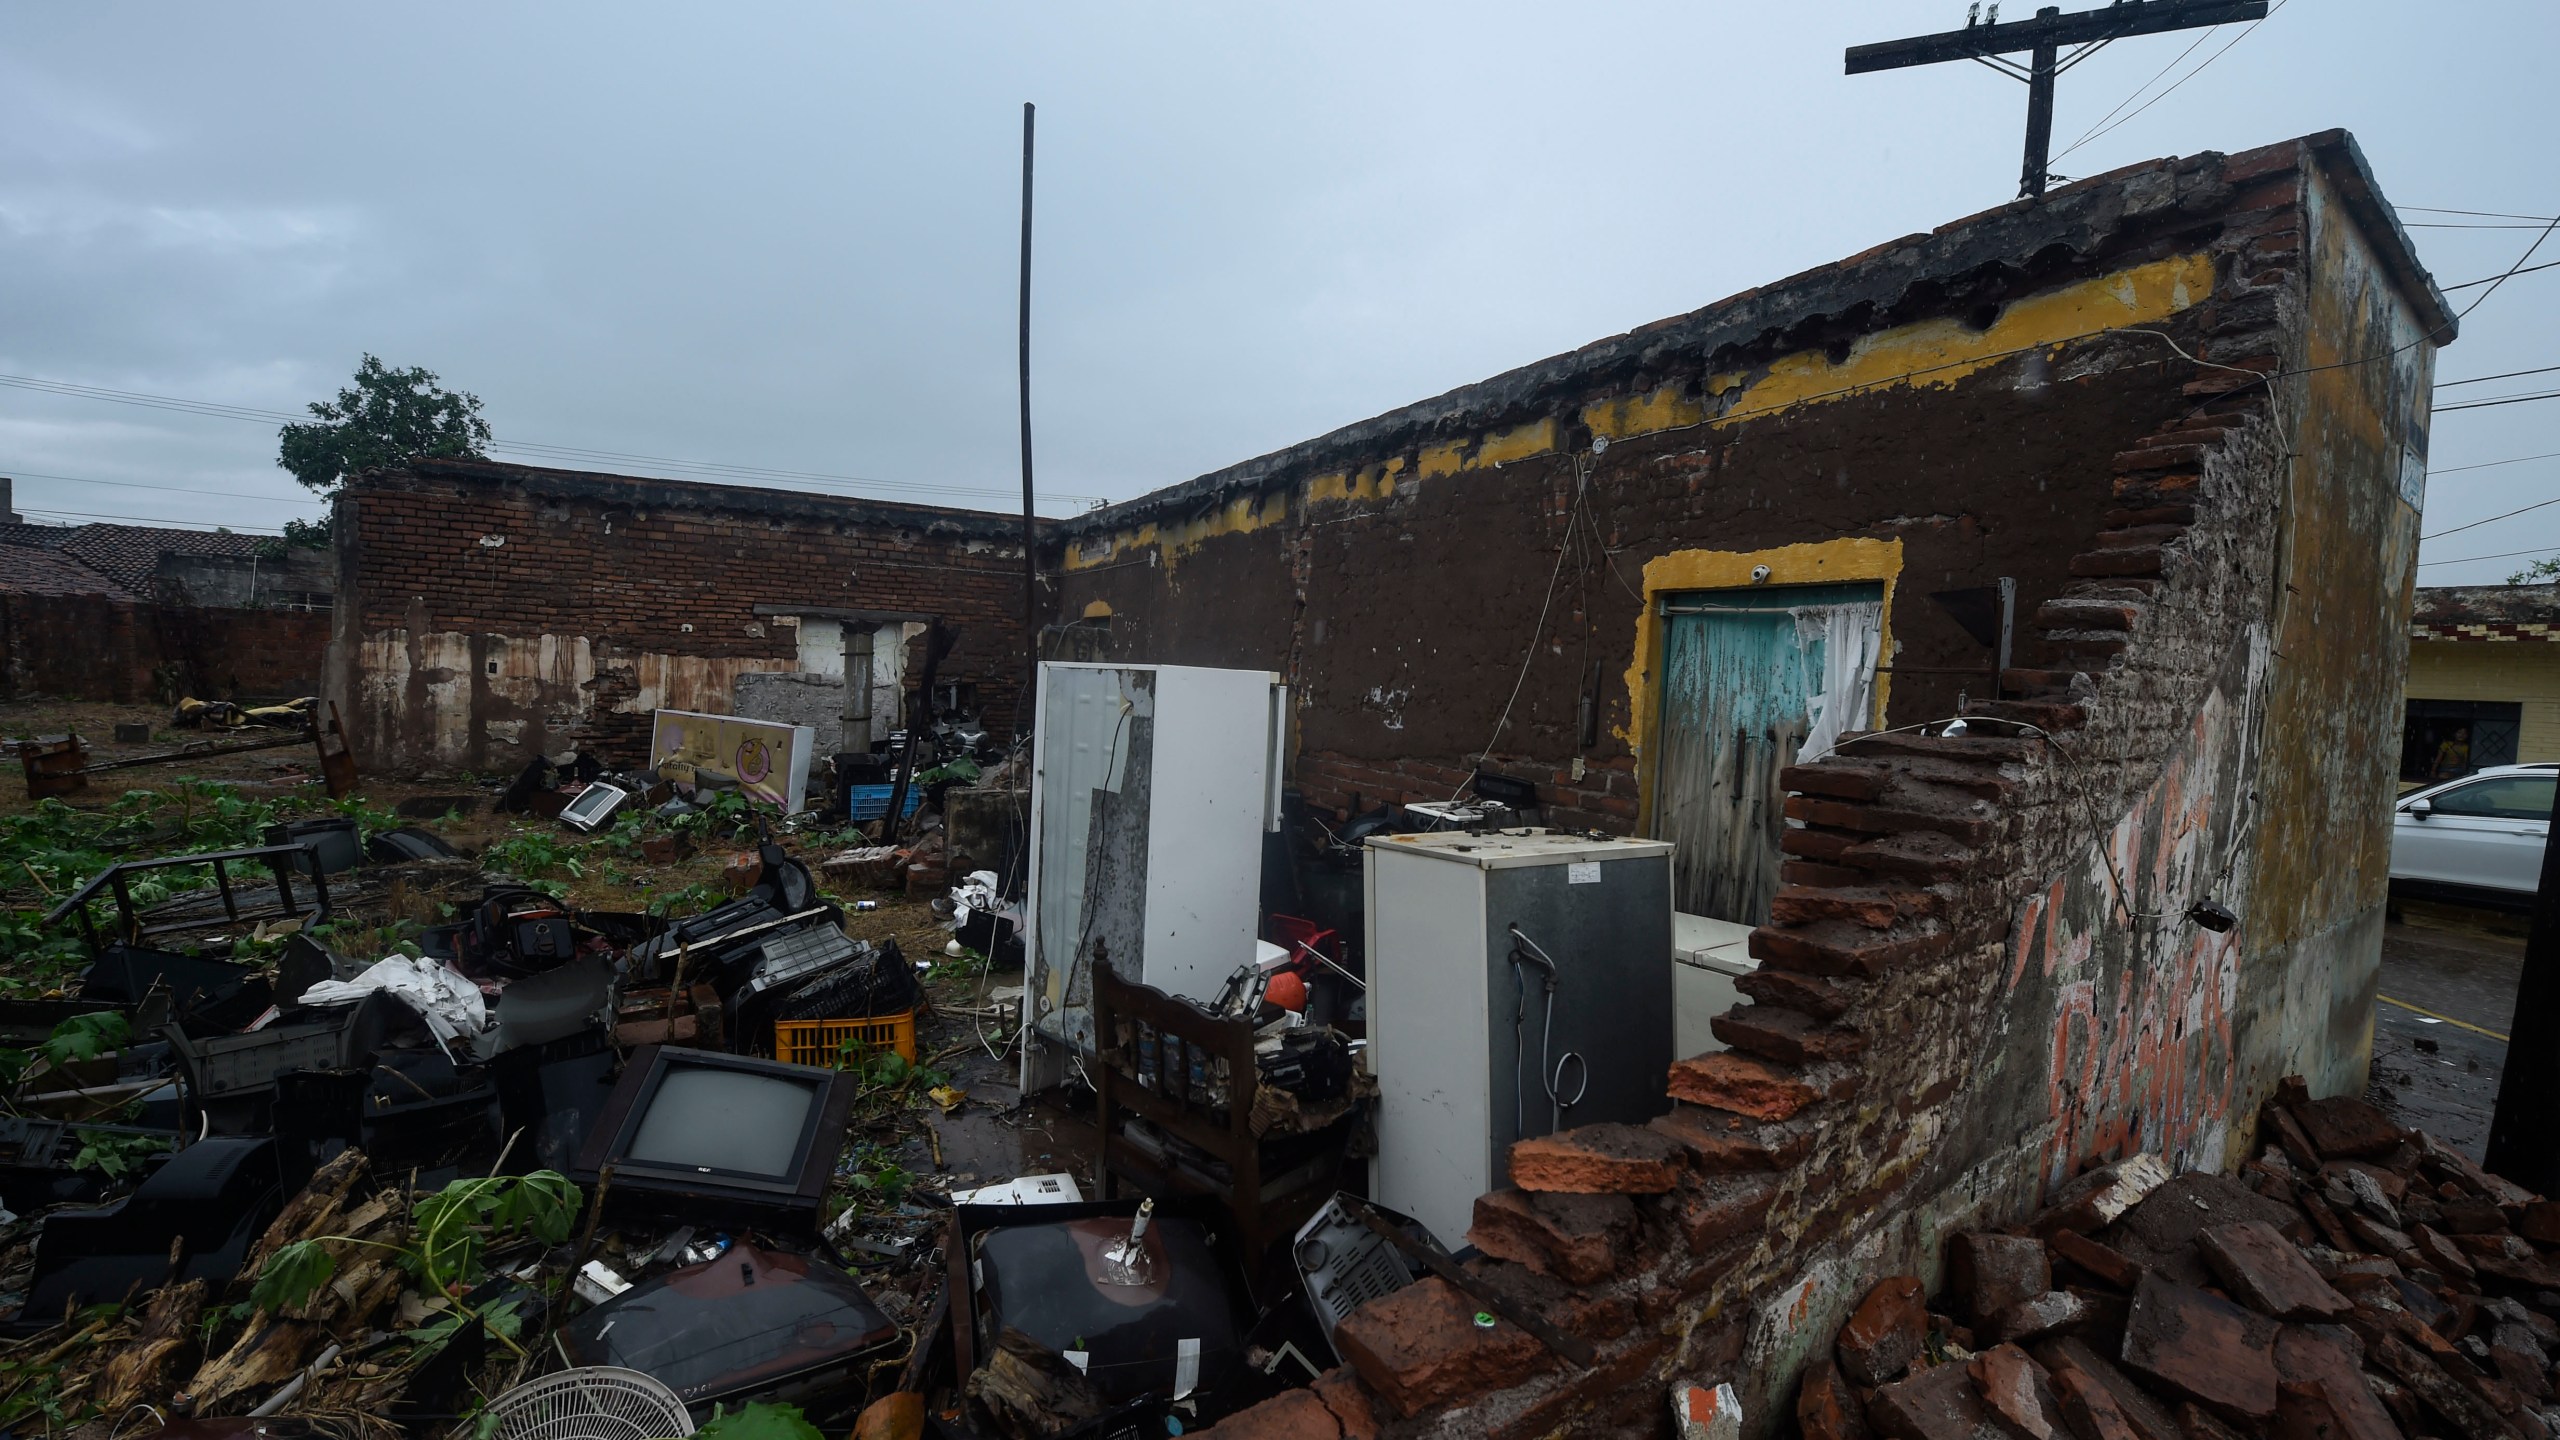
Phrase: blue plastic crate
(870,802)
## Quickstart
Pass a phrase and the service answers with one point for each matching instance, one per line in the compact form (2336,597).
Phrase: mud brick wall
(95,647)
(1986,972)
(490,612)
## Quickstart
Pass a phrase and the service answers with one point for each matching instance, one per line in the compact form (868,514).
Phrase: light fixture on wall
(1759,574)
(2213,915)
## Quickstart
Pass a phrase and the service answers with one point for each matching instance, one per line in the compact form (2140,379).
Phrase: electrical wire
(2492,464)
(303,499)
(2483,214)
(204,525)
(2501,400)
(2476,524)
(2505,375)
(220,411)
(2104,127)
(2494,279)
(2501,555)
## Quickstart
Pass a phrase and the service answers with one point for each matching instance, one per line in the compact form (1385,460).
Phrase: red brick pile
(2356,1281)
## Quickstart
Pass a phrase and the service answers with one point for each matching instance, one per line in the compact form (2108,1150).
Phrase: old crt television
(698,1134)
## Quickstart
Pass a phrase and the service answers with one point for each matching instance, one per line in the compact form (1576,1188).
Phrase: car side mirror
(2419,808)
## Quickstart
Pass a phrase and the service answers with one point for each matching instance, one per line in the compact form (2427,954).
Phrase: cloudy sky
(783,236)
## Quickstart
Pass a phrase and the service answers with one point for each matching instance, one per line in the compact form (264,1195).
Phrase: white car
(2476,839)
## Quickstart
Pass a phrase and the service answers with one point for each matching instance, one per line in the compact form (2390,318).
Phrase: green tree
(2539,572)
(386,417)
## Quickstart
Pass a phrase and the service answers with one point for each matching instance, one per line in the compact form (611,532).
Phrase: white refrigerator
(1152,787)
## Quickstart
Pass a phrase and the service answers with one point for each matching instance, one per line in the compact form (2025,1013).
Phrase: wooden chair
(1191,1075)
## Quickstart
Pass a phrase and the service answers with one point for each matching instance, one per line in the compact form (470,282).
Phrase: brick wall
(1985,972)
(487,612)
(92,647)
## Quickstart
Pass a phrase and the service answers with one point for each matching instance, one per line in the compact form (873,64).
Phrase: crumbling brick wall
(97,647)
(489,612)
(1998,957)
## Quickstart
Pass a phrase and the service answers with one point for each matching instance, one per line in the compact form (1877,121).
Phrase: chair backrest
(1175,1063)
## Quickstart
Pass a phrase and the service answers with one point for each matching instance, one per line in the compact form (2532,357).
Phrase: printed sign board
(769,761)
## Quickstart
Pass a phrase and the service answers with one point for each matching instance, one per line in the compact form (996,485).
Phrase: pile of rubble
(2356,1281)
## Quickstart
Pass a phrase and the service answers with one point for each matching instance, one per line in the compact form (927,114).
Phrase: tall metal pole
(1030,538)
(2040,110)
(2524,1128)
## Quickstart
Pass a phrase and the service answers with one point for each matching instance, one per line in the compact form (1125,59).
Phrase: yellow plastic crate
(821,1042)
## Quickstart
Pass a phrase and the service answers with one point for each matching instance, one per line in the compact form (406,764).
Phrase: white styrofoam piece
(1058,1189)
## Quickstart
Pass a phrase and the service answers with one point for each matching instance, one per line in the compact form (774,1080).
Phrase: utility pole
(2042,39)
(2524,1129)
(1030,537)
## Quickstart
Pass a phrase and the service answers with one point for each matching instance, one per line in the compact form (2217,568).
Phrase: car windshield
(2500,797)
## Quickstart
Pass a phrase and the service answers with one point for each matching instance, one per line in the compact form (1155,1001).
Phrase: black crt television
(705,1135)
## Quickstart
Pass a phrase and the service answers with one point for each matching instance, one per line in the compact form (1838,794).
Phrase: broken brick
(2039,1315)
(2098,1261)
(1939,1403)
(1825,1407)
(2094,1200)
(2197,1423)
(2541,1222)
(1884,1333)
(1598,1160)
(1992,1272)
(2265,1272)
(1722,1144)
(1724,1206)
(1289,1415)
(1421,1346)
(1740,1084)
(1340,1391)
(2307,1361)
(2063,1355)
(2439,1252)
(2018,1393)
(2202,1347)
(1575,1238)
(2089,1410)
(2468,1411)
(2345,1128)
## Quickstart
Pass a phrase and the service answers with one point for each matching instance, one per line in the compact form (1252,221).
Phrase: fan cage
(598,1402)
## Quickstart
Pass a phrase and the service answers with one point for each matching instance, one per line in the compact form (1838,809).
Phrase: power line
(2181,80)
(2484,214)
(220,411)
(2476,524)
(2501,400)
(2456,225)
(2507,375)
(2494,279)
(158,520)
(305,499)
(2491,464)
(2501,555)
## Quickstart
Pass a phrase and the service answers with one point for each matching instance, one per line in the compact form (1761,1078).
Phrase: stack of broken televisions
(380,1194)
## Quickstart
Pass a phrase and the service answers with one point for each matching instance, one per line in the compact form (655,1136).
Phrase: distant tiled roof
(33,570)
(2487,612)
(42,537)
(127,554)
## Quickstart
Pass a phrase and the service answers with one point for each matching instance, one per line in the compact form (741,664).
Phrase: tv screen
(725,1120)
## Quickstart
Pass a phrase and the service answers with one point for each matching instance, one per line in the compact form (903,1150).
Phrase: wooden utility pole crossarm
(2042,39)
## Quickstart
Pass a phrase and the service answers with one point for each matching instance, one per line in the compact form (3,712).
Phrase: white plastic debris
(598,1283)
(1128,1261)
(451,1005)
(1027,1190)
(1698,1413)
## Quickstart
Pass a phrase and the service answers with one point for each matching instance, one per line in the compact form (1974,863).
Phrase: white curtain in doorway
(1852,637)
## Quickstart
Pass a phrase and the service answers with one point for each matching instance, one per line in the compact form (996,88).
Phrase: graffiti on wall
(2142,1050)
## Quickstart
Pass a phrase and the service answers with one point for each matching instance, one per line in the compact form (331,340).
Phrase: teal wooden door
(1741,673)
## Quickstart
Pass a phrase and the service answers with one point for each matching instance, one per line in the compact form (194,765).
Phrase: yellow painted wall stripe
(1927,354)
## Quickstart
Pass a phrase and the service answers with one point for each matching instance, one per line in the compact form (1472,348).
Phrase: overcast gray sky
(783,235)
